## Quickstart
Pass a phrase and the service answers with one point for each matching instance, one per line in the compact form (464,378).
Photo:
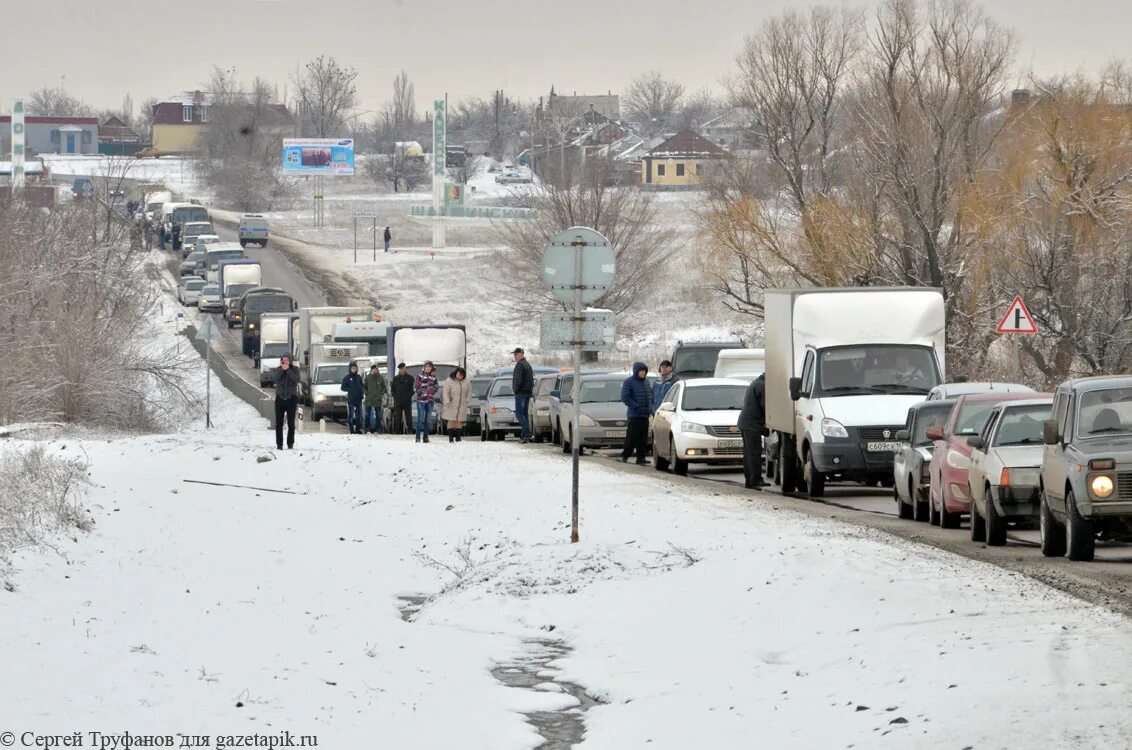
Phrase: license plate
(882,447)
(615,433)
(729,444)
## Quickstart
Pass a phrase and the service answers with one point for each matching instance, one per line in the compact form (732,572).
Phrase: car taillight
(925,472)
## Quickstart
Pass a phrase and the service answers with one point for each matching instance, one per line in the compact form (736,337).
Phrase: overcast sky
(107,48)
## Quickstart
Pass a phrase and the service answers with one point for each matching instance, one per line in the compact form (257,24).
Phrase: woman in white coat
(456,398)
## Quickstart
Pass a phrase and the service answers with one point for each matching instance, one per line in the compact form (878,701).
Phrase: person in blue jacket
(661,387)
(637,397)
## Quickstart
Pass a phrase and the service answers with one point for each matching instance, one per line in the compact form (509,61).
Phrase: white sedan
(697,423)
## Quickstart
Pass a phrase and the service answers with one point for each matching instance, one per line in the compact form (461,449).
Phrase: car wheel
(660,462)
(566,442)
(787,468)
(1052,532)
(978,525)
(678,467)
(920,509)
(947,519)
(815,480)
(933,510)
(903,509)
(1081,540)
(996,525)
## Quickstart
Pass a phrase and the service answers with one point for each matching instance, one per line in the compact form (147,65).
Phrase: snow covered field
(695,618)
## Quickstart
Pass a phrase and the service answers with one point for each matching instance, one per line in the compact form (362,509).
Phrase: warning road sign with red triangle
(1017,319)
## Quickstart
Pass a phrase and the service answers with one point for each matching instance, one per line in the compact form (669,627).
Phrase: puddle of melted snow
(560,730)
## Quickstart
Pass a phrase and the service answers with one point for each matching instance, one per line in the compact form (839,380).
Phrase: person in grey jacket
(523,384)
(286,400)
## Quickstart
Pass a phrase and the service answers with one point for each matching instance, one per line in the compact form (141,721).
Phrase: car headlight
(693,427)
(320,398)
(585,421)
(251,326)
(1027,477)
(1101,485)
(833,429)
(957,460)
(543,411)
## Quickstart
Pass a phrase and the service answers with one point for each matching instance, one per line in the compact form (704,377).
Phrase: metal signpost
(206,334)
(579,267)
(373,229)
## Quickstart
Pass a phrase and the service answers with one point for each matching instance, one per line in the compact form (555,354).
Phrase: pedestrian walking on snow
(523,384)
(376,388)
(286,380)
(425,388)
(752,425)
(456,398)
(402,391)
(355,390)
(637,397)
(388,239)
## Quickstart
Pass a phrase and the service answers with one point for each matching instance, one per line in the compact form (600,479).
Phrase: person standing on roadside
(286,380)
(661,387)
(752,424)
(355,390)
(388,239)
(425,388)
(376,388)
(456,398)
(523,384)
(637,397)
(402,392)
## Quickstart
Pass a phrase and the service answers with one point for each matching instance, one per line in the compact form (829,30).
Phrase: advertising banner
(318,156)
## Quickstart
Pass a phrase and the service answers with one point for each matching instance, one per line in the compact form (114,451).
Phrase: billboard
(318,156)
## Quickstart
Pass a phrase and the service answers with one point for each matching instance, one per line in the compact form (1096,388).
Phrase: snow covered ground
(175,172)
(696,618)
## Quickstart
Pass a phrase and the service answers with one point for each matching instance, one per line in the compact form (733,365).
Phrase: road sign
(207,331)
(599,330)
(563,273)
(1017,319)
(365,214)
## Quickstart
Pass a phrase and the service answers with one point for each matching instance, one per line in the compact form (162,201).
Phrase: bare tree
(57,102)
(653,101)
(624,215)
(398,168)
(326,93)
(143,123)
(697,109)
(403,106)
(473,166)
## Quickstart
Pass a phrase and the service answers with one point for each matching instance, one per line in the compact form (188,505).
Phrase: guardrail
(247,392)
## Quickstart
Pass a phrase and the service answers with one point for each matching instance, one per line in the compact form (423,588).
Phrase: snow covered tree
(326,93)
(653,101)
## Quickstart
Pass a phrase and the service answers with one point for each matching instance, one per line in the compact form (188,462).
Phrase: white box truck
(275,340)
(316,326)
(330,363)
(842,368)
(744,364)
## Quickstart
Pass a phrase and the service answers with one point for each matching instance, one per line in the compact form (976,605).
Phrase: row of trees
(895,156)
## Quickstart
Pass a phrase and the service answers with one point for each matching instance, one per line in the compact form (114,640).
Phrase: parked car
(189,289)
(1086,481)
(951,456)
(912,463)
(512,178)
(475,405)
(204,240)
(541,427)
(211,300)
(955,390)
(603,420)
(498,411)
(191,232)
(697,422)
(1005,471)
(564,383)
(189,264)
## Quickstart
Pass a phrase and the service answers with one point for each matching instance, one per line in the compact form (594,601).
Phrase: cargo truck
(253,305)
(316,326)
(446,346)
(275,331)
(842,368)
(329,364)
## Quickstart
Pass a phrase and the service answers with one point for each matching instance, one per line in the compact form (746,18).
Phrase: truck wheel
(787,467)
(978,525)
(996,526)
(1081,540)
(243,243)
(1053,533)
(920,507)
(815,480)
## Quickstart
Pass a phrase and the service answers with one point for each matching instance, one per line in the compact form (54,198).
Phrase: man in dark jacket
(523,383)
(388,239)
(637,397)
(752,423)
(376,388)
(402,391)
(355,390)
(286,400)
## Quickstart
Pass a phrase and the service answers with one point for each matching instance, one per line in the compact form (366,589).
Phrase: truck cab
(329,364)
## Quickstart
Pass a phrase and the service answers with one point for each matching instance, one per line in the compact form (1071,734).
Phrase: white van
(743,364)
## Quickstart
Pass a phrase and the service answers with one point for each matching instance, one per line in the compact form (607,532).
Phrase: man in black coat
(355,390)
(286,400)
(752,423)
(401,388)
(523,384)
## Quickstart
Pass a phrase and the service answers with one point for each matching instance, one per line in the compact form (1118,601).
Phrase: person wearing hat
(661,387)
(402,391)
(523,383)
(425,388)
(355,391)
(376,388)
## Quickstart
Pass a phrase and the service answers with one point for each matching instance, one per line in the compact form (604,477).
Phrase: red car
(951,456)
